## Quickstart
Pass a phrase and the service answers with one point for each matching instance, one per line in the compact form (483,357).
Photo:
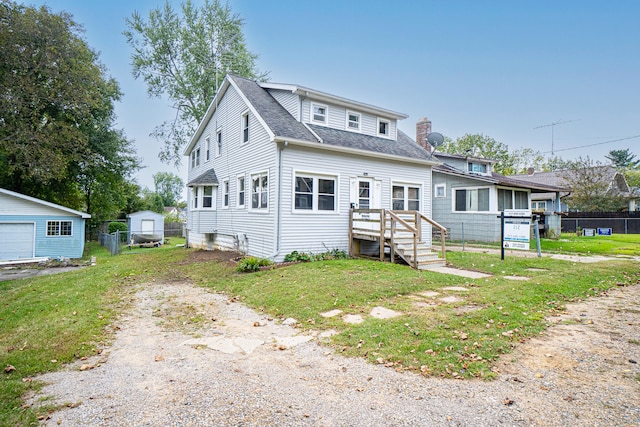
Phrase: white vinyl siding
(290,101)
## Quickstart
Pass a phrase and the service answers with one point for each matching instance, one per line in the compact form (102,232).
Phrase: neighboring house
(276,168)
(468,198)
(617,183)
(145,226)
(34,228)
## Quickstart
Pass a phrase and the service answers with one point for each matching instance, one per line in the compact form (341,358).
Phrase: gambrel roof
(283,127)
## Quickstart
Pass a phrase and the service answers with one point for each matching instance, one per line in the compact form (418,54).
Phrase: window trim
(312,115)
(226,194)
(348,121)
(444,191)
(59,228)
(513,198)
(486,171)
(384,135)
(213,197)
(244,191)
(218,142)
(316,176)
(453,199)
(244,130)
(259,209)
(208,147)
(406,185)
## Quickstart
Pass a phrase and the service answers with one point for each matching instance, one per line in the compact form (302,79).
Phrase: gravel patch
(578,373)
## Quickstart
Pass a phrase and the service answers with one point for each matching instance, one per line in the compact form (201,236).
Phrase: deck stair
(401,232)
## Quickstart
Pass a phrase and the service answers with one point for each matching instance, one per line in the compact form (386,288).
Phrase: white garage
(17,240)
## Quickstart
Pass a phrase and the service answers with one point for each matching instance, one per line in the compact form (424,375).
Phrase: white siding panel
(10,205)
(290,101)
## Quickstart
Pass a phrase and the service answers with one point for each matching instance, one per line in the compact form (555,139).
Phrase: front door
(366,193)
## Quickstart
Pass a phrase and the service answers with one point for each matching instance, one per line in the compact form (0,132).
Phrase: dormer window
(319,113)
(383,127)
(353,121)
(477,167)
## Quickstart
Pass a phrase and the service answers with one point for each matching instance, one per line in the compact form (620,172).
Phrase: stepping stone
(429,294)
(293,341)
(520,278)
(537,269)
(248,345)
(331,313)
(353,319)
(462,273)
(327,334)
(450,299)
(221,344)
(455,288)
(384,313)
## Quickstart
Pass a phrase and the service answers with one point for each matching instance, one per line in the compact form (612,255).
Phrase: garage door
(16,240)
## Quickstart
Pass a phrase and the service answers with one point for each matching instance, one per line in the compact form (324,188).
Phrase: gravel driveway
(223,364)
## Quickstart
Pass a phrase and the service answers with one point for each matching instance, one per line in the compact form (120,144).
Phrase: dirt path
(187,357)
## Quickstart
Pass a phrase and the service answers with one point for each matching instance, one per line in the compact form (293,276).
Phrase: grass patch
(51,320)
(616,244)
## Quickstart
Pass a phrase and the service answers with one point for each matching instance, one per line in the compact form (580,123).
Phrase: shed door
(146,226)
(17,240)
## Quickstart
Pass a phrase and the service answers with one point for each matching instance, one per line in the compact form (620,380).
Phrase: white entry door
(366,193)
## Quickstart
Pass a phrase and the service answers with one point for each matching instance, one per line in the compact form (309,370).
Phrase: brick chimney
(423,129)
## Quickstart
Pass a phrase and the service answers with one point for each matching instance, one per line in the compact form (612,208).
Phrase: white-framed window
(539,206)
(207,197)
(241,191)
(512,199)
(440,190)
(383,127)
(225,193)
(405,197)
(319,113)
(208,146)
(59,228)
(194,193)
(471,200)
(353,121)
(245,126)
(314,193)
(260,191)
(218,142)
(477,167)
(195,158)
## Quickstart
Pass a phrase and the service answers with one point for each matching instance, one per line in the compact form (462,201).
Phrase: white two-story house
(276,168)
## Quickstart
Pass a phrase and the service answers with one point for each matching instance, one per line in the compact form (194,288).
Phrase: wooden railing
(374,223)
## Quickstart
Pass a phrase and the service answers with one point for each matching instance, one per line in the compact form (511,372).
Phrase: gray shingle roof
(207,178)
(278,119)
(498,179)
(403,147)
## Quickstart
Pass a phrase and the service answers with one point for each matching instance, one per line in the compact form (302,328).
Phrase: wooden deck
(400,231)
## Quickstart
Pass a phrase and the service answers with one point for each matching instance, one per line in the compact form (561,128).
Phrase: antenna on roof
(435,139)
(553,125)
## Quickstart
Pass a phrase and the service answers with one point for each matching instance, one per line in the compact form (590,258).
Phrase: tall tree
(56,113)
(591,187)
(478,145)
(623,159)
(169,186)
(185,56)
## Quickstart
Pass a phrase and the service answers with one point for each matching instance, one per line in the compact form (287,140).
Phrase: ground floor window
(539,206)
(512,199)
(472,200)
(259,191)
(59,228)
(405,197)
(315,193)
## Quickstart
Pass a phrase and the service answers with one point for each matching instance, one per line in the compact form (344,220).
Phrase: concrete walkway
(530,254)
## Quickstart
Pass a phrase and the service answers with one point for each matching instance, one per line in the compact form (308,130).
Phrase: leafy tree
(478,145)
(633,177)
(152,201)
(556,163)
(56,114)
(591,189)
(169,186)
(522,159)
(185,55)
(623,159)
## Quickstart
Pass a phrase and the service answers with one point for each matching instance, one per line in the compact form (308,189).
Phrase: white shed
(145,226)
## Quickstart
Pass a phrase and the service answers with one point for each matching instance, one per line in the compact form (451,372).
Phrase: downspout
(278,228)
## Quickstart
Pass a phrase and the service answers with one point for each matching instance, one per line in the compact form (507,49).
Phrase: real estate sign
(517,229)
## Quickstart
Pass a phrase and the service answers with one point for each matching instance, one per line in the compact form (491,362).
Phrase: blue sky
(500,68)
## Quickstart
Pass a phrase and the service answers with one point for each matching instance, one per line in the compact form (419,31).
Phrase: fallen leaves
(9,368)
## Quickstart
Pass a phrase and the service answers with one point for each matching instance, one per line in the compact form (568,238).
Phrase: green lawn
(616,244)
(51,320)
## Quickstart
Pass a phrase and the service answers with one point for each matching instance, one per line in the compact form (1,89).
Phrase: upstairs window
(195,158)
(59,228)
(259,191)
(383,127)
(208,156)
(319,113)
(477,167)
(245,127)
(219,143)
(353,121)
